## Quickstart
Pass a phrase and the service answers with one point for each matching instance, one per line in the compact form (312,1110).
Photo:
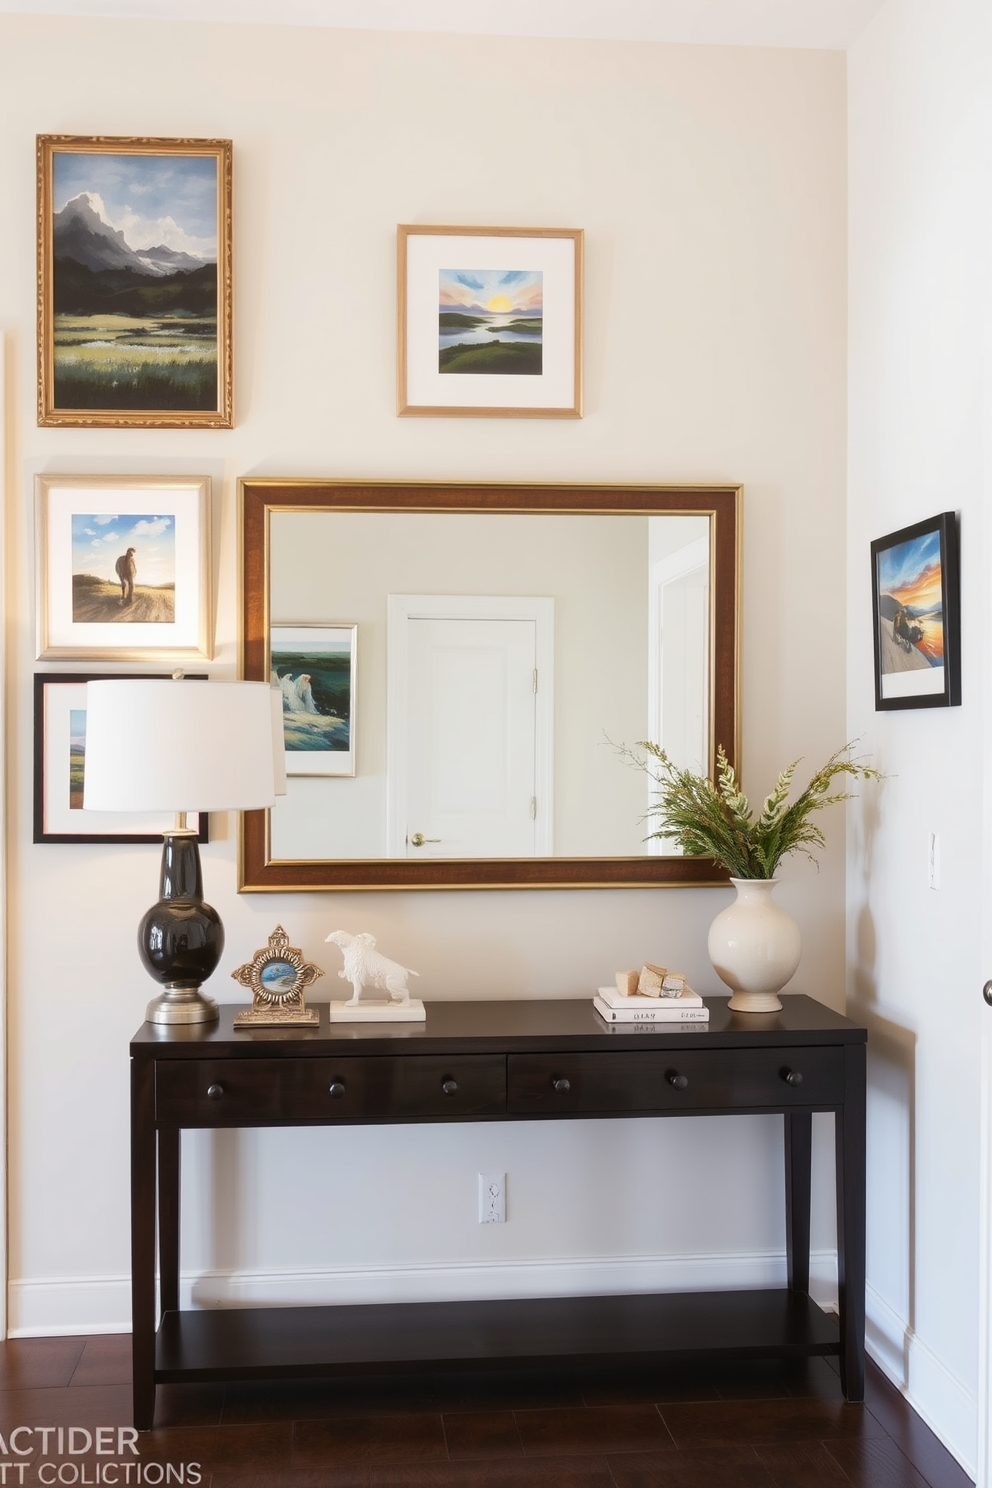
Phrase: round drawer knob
(679,1082)
(792,1077)
(987,992)
(561,1085)
(450,1087)
(214,1092)
(336,1089)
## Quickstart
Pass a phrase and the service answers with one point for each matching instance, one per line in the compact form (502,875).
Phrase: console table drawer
(225,1092)
(672,1080)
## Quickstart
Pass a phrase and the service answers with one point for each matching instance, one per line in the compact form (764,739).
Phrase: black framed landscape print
(917,615)
(134,282)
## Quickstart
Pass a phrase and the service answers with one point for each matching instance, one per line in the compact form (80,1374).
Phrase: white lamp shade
(182,746)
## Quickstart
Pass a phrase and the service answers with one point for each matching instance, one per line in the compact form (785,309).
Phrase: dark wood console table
(496,1061)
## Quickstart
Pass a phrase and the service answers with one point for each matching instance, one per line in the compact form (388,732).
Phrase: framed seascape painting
(917,615)
(60,771)
(490,322)
(134,282)
(123,567)
(315,666)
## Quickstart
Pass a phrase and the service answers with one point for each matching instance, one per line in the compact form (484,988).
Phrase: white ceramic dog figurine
(365,967)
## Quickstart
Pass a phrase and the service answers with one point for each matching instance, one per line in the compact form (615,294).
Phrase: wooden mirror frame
(258,498)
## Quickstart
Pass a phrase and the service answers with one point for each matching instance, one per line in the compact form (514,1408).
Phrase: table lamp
(182,746)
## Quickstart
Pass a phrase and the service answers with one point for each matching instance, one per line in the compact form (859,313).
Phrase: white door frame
(983,1477)
(4,660)
(400,609)
(695,555)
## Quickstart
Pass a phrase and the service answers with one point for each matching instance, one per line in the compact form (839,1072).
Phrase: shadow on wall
(891,1124)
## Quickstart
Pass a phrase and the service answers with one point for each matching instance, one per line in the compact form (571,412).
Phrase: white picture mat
(60,699)
(185,502)
(913,684)
(426,255)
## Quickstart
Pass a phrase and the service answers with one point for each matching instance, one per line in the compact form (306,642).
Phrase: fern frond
(715,820)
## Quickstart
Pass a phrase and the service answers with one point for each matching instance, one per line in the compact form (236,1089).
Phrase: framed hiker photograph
(490,322)
(315,667)
(134,282)
(123,567)
(917,615)
(60,771)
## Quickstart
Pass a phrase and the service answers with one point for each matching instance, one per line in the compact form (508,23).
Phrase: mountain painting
(911,608)
(134,308)
(491,321)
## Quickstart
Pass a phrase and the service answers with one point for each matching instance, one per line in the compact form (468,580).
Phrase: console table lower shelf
(257,1343)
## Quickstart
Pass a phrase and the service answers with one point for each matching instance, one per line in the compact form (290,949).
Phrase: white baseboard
(102,1304)
(68,1305)
(937,1396)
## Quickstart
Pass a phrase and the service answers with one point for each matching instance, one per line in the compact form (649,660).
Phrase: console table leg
(143,1184)
(168,1217)
(798,1162)
(850,1128)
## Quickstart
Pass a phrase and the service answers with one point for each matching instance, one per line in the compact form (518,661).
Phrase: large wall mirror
(458,663)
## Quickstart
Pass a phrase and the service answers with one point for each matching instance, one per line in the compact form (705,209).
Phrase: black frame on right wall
(916,615)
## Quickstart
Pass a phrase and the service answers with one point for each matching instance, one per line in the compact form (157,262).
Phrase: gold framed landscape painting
(134,282)
(490,322)
(123,567)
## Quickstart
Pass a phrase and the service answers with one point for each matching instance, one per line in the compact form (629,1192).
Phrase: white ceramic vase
(754,946)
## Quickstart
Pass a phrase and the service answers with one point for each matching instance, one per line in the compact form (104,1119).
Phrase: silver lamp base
(181,1005)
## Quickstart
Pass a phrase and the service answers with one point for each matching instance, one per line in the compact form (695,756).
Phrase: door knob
(987,992)
(418,839)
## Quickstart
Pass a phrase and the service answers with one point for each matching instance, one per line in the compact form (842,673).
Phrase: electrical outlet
(492,1198)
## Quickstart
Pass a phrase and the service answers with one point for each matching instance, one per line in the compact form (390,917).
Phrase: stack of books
(615,1007)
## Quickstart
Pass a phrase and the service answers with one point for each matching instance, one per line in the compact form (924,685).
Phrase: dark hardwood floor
(755,1425)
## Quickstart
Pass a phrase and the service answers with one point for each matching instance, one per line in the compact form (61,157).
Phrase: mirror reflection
(497,655)
(456,664)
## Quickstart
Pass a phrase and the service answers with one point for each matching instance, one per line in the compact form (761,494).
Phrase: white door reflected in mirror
(469,726)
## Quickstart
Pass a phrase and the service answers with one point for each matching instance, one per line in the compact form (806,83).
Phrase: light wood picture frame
(134,282)
(490,322)
(123,568)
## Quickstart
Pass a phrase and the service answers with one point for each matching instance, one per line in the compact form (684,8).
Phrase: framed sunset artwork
(490,322)
(917,615)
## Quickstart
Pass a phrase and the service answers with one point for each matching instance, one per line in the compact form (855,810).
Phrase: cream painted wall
(710,183)
(920,178)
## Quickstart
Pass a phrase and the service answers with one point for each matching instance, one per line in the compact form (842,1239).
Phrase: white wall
(710,183)
(919,268)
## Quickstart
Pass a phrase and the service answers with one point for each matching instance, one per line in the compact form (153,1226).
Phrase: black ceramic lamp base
(180,939)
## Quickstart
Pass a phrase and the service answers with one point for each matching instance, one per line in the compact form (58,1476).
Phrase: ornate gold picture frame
(277,976)
(134,282)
